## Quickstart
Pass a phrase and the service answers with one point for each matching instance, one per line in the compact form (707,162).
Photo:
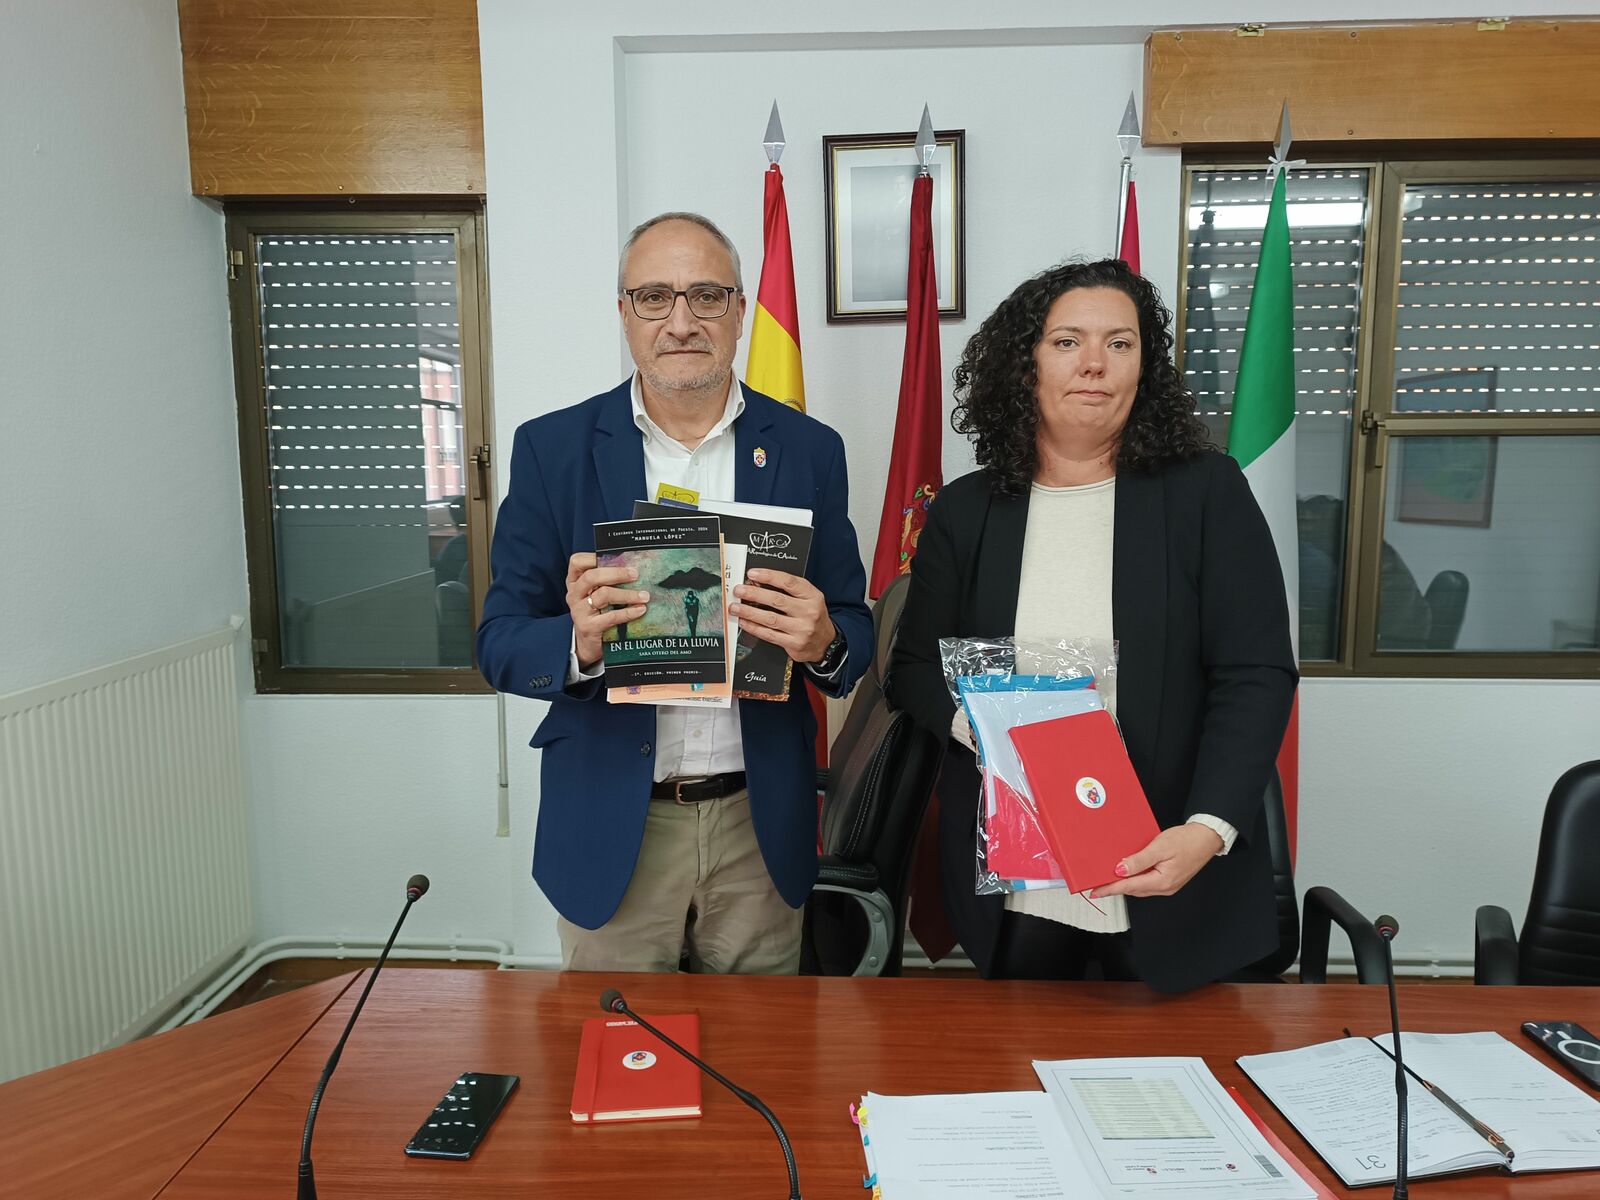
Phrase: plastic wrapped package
(1001,684)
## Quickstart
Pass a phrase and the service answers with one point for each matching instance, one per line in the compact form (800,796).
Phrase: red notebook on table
(1090,802)
(627,1074)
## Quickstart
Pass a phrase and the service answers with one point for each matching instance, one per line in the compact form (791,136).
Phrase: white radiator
(123,872)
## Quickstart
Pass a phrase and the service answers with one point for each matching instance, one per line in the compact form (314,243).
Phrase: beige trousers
(701,884)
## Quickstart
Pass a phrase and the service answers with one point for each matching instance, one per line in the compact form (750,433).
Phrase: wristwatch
(833,657)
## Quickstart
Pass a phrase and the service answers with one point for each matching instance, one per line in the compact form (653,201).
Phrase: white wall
(1423,798)
(123,525)
(122,529)
(589,128)
(352,794)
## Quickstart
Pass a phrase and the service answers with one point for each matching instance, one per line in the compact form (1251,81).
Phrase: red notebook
(627,1074)
(1091,805)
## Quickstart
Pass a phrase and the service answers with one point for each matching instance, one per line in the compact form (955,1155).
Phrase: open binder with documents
(1482,1103)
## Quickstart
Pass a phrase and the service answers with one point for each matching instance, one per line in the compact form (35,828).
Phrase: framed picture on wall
(866,179)
(1446,480)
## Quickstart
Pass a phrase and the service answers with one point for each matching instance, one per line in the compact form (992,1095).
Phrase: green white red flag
(1261,432)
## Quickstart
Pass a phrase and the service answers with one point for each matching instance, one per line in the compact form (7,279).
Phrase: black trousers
(1037,948)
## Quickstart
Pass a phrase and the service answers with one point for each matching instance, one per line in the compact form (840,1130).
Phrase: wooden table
(215,1109)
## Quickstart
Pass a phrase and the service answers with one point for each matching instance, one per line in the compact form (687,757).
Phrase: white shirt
(689,741)
(1065,591)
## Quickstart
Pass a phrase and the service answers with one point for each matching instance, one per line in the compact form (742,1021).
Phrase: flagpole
(914,457)
(1122,204)
(772,141)
(1128,137)
(1261,430)
(927,145)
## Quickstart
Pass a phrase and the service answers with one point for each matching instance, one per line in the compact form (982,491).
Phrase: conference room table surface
(215,1109)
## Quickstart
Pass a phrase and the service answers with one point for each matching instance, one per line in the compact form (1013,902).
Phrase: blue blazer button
(644,749)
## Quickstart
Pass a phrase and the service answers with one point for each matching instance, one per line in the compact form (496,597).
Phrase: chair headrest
(886,623)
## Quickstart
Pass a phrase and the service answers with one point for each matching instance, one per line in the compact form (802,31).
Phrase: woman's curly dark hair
(995,404)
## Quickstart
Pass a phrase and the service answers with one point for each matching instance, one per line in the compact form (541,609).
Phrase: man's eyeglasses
(707,301)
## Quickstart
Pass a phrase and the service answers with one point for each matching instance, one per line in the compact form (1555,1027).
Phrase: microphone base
(307,1189)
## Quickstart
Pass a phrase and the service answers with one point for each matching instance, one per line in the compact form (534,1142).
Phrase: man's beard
(714,375)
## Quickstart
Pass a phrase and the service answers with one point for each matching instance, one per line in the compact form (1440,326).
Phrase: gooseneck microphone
(416,888)
(1387,928)
(611,1000)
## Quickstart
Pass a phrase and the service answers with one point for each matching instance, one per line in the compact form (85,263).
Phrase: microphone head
(416,887)
(1388,928)
(611,1000)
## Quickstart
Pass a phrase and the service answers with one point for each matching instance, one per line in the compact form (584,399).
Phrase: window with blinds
(362,340)
(1490,495)
(1327,237)
(1464,538)
(1499,300)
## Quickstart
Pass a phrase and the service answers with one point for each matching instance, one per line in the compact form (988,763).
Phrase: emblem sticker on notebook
(639,1060)
(1091,793)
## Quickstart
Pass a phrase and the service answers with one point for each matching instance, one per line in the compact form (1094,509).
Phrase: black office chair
(1307,936)
(452,613)
(1447,604)
(1560,941)
(874,797)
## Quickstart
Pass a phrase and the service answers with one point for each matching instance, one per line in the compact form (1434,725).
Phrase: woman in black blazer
(1070,396)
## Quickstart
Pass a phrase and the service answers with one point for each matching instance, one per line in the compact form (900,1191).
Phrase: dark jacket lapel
(619,454)
(998,572)
(756,451)
(1139,608)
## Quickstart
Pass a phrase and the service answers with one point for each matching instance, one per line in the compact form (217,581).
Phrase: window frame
(244,223)
(1375,425)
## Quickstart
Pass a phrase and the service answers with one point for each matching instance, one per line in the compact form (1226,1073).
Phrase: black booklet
(681,638)
(761,670)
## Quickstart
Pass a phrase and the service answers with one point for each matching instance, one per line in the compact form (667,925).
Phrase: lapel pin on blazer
(760,457)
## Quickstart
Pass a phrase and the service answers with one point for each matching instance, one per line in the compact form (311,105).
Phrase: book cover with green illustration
(682,636)
(762,670)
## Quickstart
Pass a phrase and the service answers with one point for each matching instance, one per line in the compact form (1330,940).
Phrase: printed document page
(994,1145)
(1340,1096)
(1548,1122)
(1159,1126)
(758,512)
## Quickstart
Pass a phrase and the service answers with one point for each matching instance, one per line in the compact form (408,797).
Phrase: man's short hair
(705,223)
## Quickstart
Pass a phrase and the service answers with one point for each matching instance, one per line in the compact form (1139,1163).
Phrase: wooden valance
(1459,81)
(333,97)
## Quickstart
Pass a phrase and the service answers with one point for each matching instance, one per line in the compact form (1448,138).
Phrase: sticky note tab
(666,493)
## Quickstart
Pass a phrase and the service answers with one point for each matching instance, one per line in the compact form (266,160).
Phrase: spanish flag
(774,364)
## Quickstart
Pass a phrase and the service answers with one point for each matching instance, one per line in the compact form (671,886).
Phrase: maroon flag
(915,476)
(1128,250)
(914,464)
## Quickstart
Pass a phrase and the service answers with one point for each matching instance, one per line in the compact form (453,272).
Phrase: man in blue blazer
(670,830)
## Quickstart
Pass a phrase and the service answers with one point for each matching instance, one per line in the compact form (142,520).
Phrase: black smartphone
(1575,1046)
(458,1122)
